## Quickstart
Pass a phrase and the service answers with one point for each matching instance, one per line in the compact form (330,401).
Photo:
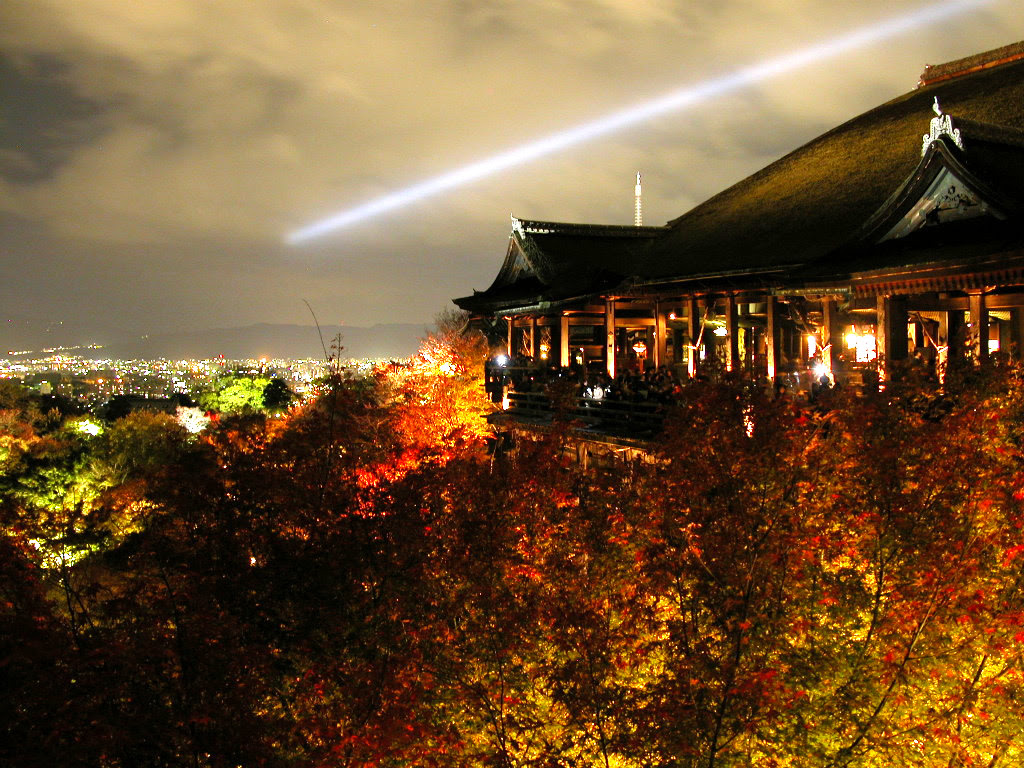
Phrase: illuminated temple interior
(893,237)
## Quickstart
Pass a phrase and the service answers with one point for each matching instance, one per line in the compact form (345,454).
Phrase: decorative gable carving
(941,125)
(942,189)
(947,198)
(519,266)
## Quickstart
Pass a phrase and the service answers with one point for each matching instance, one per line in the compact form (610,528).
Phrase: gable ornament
(941,125)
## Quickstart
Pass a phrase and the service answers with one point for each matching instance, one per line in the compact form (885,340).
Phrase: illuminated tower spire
(638,212)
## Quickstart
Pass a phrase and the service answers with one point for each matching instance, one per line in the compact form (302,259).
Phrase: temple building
(896,235)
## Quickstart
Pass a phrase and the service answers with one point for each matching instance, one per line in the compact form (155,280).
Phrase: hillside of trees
(359,581)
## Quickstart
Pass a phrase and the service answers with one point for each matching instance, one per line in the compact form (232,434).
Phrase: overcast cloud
(155,154)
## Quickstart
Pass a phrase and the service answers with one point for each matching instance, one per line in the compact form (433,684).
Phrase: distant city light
(692,94)
(95,380)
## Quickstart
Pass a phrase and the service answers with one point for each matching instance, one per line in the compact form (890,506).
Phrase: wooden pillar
(511,329)
(1017,333)
(732,335)
(609,344)
(693,321)
(943,333)
(563,341)
(772,336)
(943,339)
(882,334)
(831,336)
(533,340)
(951,337)
(979,324)
(881,329)
(660,335)
(891,331)
(1005,332)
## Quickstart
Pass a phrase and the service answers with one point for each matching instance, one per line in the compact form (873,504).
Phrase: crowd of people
(661,385)
(656,385)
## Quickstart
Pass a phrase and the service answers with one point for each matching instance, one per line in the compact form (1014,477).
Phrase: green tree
(236,393)
(277,395)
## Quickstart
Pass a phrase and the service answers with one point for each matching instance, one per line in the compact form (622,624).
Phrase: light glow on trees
(194,420)
(670,102)
(88,427)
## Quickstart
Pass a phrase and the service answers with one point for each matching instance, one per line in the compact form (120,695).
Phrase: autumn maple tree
(362,582)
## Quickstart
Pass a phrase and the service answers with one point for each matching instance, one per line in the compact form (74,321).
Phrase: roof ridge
(537,227)
(969,64)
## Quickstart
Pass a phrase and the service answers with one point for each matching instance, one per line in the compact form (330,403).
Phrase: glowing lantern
(812,345)
(864,346)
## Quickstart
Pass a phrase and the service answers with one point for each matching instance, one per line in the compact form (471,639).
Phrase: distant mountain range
(393,340)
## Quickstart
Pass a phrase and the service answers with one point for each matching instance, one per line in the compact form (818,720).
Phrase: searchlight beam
(616,121)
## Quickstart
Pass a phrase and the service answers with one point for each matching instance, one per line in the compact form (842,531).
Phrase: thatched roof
(551,262)
(807,212)
(814,200)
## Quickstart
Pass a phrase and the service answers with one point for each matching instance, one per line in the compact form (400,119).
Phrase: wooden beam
(1004,300)
(936,303)
(548,321)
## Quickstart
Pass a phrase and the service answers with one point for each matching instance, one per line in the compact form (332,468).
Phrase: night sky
(155,154)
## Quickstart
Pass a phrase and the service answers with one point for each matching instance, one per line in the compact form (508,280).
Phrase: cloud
(241,117)
(211,129)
